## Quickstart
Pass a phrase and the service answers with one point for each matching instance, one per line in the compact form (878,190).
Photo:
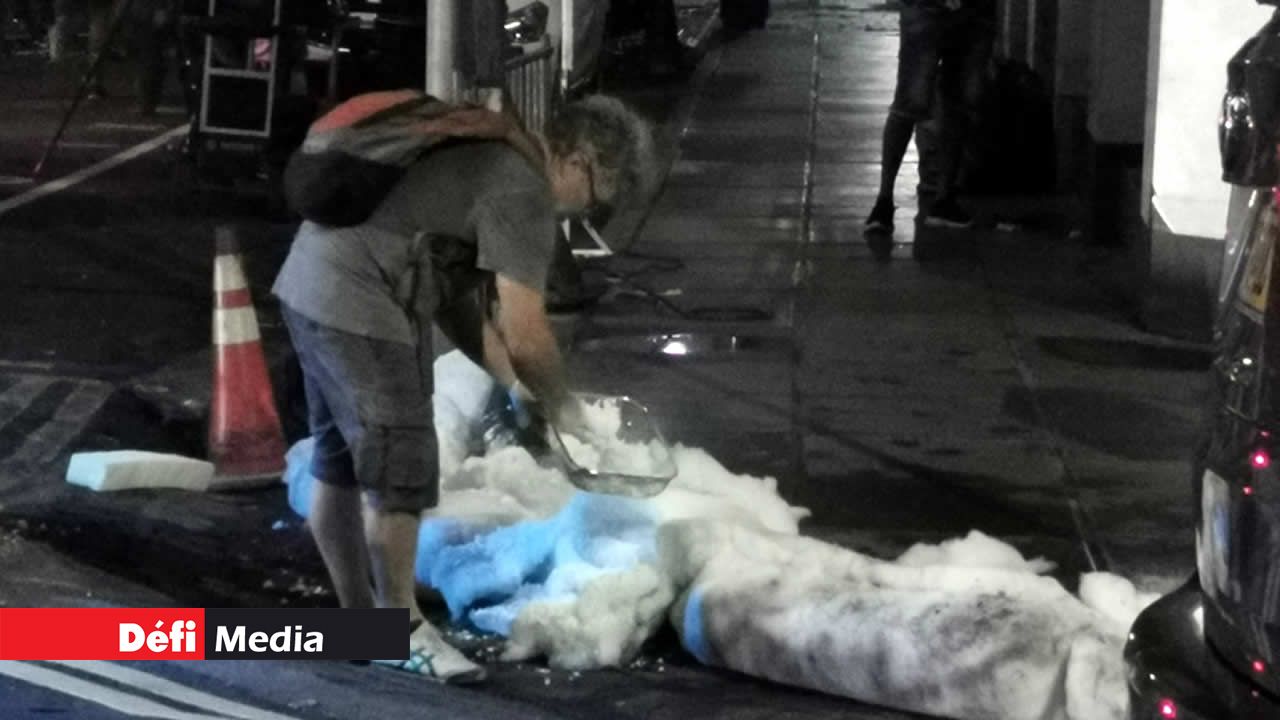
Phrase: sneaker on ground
(430,655)
(881,218)
(948,213)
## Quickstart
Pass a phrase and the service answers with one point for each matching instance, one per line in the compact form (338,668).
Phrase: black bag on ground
(1012,147)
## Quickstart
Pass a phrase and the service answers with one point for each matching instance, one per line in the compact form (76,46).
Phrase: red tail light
(1260,459)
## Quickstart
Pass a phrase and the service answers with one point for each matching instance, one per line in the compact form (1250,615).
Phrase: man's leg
(339,533)
(898,129)
(392,538)
(101,15)
(60,30)
(334,517)
(100,12)
(397,463)
(967,50)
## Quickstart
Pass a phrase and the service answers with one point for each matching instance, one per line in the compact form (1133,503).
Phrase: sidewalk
(997,387)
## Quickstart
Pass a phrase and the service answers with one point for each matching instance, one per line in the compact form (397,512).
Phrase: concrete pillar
(442,34)
(568,42)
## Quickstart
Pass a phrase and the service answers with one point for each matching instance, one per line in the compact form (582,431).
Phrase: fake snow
(965,629)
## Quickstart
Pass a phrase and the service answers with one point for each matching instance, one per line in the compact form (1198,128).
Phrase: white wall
(1196,38)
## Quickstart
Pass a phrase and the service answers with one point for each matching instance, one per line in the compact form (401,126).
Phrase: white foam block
(131,469)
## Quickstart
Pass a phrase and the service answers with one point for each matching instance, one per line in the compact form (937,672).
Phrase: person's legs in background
(101,16)
(928,141)
(966,53)
(100,12)
(912,102)
(60,30)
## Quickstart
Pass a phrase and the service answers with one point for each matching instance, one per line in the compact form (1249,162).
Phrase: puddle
(1127,353)
(685,345)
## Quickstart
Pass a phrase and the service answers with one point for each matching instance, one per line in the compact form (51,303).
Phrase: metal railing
(531,81)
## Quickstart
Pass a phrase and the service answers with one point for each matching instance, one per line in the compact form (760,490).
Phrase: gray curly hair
(616,141)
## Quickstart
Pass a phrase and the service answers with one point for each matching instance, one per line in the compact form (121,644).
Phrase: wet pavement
(987,379)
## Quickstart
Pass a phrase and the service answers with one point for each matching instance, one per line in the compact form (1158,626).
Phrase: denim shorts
(369,407)
(943,51)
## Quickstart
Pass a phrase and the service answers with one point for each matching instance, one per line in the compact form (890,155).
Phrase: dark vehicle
(1211,650)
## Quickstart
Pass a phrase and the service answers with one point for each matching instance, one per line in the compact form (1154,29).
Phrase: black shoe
(946,212)
(880,221)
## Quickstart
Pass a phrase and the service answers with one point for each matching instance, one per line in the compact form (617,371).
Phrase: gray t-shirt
(482,203)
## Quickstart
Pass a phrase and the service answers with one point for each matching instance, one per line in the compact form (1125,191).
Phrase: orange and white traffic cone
(246,442)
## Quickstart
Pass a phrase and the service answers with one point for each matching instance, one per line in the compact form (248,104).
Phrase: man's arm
(470,327)
(524,328)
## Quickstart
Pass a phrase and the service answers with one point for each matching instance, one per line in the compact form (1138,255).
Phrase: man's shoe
(430,655)
(880,221)
(946,212)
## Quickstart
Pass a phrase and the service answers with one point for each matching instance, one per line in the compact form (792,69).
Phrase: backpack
(356,153)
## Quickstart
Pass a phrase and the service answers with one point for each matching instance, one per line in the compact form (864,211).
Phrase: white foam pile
(965,629)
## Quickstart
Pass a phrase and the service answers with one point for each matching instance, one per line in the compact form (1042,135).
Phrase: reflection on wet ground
(685,345)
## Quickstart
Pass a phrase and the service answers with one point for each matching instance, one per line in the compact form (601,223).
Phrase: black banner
(305,634)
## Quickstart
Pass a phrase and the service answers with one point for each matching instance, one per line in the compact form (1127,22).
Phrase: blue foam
(693,635)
